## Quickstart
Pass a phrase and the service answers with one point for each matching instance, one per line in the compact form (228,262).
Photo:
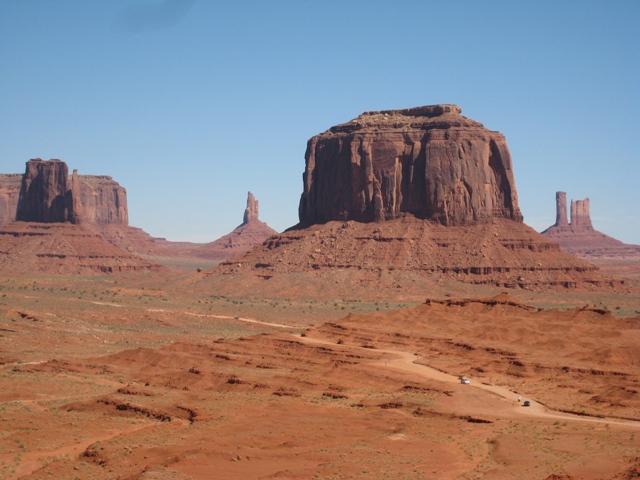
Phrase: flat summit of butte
(403,199)
(48,235)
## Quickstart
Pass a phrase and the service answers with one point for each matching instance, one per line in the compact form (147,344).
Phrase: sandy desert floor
(130,377)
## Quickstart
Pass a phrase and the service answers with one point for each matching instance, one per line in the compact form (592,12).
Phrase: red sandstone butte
(100,200)
(404,200)
(45,193)
(428,161)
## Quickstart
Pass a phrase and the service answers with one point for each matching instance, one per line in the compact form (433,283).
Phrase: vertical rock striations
(95,199)
(561,210)
(251,212)
(580,214)
(429,161)
(44,193)
(9,194)
(104,201)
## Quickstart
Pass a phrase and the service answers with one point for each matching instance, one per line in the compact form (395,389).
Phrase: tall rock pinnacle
(561,210)
(428,161)
(251,212)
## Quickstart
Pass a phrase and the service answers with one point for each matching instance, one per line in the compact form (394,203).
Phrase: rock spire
(561,209)
(579,238)
(251,212)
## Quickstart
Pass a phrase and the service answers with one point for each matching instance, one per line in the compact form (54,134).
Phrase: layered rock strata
(399,201)
(63,248)
(428,161)
(406,256)
(47,236)
(247,235)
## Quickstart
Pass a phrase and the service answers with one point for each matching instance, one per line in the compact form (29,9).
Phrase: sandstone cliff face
(581,213)
(44,194)
(429,161)
(103,200)
(100,200)
(9,194)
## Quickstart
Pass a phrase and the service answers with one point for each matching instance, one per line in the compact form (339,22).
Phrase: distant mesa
(99,200)
(48,235)
(247,235)
(430,162)
(577,235)
(407,200)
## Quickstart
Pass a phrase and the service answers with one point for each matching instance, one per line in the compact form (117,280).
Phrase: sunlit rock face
(429,161)
(96,199)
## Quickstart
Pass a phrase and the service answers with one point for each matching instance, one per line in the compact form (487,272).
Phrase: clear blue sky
(189,104)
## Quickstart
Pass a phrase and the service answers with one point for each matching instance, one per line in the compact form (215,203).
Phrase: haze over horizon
(189,104)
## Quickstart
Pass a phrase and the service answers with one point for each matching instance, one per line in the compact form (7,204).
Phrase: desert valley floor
(157,376)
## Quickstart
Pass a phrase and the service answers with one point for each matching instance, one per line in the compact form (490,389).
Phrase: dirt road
(405,361)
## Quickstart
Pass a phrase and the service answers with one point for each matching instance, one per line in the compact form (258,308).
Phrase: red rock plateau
(87,392)
(100,206)
(579,238)
(247,235)
(48,237)
(401,199)
(102,200)
(429,161)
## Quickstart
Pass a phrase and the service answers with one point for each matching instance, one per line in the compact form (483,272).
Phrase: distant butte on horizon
(578,237)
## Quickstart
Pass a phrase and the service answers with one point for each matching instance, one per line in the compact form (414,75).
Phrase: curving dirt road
(405,361)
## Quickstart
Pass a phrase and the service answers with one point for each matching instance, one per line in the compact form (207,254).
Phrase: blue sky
(190,104)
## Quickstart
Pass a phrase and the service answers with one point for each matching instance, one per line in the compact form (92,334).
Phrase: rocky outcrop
(9,194)
(103,200)
(428,161)
(561,209)
(44,194)
(406,201)
(580,214)
(250,233)
(251,212)
(99,200)
(62,248)
(580,238)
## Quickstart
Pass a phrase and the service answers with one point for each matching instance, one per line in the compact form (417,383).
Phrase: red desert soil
(406,257)
(127,377)
(62,248)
